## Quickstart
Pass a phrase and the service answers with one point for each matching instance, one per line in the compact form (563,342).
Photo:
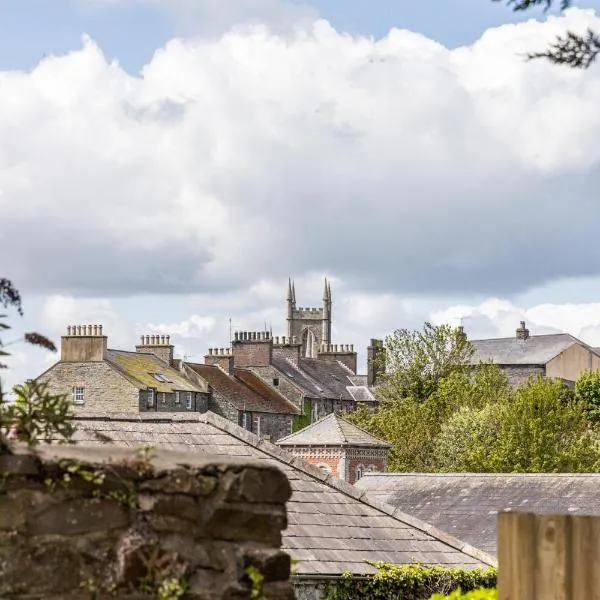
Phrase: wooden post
(548,557)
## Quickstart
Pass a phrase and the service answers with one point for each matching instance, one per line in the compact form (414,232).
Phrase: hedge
(478,594)
(410,582)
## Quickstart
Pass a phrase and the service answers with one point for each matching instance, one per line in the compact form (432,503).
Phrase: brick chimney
(522,332)
(83,343)
(252,349)
(339,352)
(375,366)
(159,345)
(460,330)
(287,347)
(221,357)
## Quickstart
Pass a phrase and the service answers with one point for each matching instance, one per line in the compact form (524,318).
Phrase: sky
(166,165)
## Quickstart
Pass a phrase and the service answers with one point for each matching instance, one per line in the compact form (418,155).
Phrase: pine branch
(520,5)
(573,50)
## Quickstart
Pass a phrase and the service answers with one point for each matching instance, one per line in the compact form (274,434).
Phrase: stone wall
(517,375)
(105,389)
(92,522)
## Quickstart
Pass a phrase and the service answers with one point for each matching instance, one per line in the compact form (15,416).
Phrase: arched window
(308,343)
(325,468)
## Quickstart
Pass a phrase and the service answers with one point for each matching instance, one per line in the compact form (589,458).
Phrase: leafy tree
(539,428)
(572,49)
(587,390)
(416,361)
(35,413)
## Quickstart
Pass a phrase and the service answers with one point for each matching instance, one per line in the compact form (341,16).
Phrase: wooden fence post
(548,557)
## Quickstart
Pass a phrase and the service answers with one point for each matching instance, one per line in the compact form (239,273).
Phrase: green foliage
(256,580)
(303,420)
(37,415)
(409,582)
(478,594)
(416,361)
(465,440)
(587,391)
(171,589)
(539,428)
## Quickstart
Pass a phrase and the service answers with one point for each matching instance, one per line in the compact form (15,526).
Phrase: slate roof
(465,504)
(333,376)
(235,391)
(308,385)
(535,350)
(331,527)
(332,430)
(139,368)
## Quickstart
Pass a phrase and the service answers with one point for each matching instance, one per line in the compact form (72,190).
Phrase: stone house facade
(339,448)
(557,356)
(239,396)
(101,379)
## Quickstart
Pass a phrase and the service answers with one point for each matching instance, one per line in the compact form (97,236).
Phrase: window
(188,400)
(78,395)
(245,420)
(163,397)
(276,381)
(325,468)
(359,471)
(177,398)
(150,398)
(256,425)
(160,377)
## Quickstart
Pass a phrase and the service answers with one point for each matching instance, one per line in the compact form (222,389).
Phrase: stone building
(316,375)
(331,528)
(101,379)
(241,397)
(556,355)
(338,447)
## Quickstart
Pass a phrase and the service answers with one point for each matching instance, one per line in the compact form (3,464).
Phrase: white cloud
(500,318)
(397,165)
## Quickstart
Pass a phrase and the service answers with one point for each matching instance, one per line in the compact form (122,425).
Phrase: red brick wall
(353,464)
(252,353)
(331,462)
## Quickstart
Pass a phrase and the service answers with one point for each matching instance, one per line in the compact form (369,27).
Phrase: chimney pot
(99,329)
(235,336)
(293,339)
(68,330)
(168,340)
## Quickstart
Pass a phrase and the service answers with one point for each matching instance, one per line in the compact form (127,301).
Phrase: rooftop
(535,350)
(332,527)
(244,390)
(146,370)
(466,504)
(332,430)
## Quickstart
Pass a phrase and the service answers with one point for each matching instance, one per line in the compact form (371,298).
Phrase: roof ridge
(342,486)
(340,418)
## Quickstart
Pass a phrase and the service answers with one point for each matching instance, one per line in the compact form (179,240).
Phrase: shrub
(409,582)
(478,594)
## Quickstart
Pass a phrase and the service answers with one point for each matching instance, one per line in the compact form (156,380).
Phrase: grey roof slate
(332,430)
(310,387)
(535,350)
(331,527)
(331,375)
(465,504)
(361,393)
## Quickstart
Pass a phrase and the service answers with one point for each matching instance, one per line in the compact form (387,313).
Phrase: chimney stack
(252,349)
(375,361)
(83,343)
(522,332)
(159,345)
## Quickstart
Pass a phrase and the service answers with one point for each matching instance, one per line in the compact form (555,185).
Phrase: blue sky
(131,30)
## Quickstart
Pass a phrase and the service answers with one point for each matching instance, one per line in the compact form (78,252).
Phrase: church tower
(311,327)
